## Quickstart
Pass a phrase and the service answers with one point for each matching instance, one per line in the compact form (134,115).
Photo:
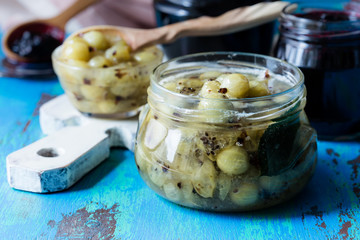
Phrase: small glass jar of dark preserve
(323,39)
(255,40)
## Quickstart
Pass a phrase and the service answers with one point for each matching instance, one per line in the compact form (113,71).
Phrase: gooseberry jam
(226,132)
(101,75)
(323,39)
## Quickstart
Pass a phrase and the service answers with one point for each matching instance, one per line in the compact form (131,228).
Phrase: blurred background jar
(323,39)
(255,40)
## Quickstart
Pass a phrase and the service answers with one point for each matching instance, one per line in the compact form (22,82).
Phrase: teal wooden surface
(112,201)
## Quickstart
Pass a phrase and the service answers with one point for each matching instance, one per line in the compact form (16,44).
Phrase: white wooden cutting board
(75,144)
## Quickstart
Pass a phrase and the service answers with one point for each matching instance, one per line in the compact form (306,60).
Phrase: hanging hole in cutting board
(49,152)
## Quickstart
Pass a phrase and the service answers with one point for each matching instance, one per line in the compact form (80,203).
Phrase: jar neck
(317,22)
(186,108)
(240,112)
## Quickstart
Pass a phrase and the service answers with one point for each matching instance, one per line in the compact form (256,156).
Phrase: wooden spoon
(232,21)
(53,26)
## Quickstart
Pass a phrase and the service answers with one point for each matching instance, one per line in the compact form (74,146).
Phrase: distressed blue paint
(116,188)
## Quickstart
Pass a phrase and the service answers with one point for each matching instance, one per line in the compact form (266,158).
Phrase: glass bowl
(115,90)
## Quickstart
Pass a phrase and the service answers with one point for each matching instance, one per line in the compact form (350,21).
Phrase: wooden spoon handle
(79,5)
(232,21)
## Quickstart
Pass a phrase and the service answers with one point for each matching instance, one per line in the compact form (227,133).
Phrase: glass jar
(182,151)
(323,40)
(255,40)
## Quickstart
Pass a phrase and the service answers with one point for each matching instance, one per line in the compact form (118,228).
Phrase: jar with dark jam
(323,40)
(255,40)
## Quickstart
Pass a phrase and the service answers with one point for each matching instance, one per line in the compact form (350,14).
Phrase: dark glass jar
(255,40)
(323,39)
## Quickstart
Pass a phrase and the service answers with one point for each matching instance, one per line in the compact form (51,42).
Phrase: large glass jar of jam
(226,132)
(323,39)
(255,40)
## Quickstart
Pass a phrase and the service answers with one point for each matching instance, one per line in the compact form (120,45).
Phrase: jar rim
(158,68)
(293,21)
(56,60)
(181,107)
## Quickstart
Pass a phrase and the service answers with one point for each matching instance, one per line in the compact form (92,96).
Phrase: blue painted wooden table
(112,201)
